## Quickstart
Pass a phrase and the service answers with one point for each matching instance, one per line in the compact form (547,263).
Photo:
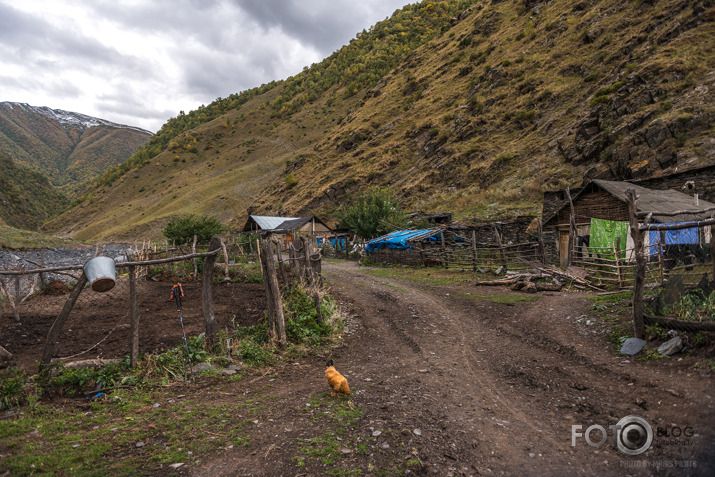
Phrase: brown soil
(99,325)
(456,384)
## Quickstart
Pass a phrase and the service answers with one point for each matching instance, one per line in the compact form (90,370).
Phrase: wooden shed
(606,200)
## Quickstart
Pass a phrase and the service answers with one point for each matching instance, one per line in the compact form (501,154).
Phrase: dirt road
(458,380)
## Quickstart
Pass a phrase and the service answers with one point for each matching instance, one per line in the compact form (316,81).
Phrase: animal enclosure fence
(139,286)
(138,309)
(456,248)
(680,258)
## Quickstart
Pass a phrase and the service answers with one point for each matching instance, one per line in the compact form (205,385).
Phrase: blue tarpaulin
(398,240)
(337,243)
(688,236)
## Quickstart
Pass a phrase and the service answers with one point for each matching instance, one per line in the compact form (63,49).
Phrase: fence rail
(137,283)
(681,263)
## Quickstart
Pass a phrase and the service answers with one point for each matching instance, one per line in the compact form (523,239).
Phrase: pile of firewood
(532,282)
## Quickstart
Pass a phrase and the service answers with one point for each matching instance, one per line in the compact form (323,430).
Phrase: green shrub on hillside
(182,229)
(372,214)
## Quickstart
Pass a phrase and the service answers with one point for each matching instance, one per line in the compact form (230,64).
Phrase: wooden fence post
(542,249)
(474,250)
(617,256)
(445,262)
(196,264)
(207,294)
(307,252)
(279,257)
(712,249)
(640,270)
(49,348)
(572,227)
(225,257)
(136,313)
(316,268)
(42,265)
(275,304)
(502,257)
(10,300)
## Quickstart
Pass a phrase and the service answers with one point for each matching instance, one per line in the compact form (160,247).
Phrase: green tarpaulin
(605,235)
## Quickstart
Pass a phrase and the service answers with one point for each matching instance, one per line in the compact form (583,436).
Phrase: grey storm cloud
(140,63)
(38,41)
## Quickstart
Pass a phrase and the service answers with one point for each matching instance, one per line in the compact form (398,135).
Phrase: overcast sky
(140,62)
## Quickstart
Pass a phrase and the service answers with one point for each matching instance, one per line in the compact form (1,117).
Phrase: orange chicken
(337,381)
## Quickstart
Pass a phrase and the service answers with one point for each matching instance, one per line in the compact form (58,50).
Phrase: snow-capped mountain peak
(68,117)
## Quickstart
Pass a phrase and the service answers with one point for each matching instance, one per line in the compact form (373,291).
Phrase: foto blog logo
(632,435)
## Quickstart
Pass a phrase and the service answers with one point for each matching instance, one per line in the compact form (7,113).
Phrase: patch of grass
(424,276)
(617,336)
(13,238)
(509,298)
(13,388)
(649,354)
(69,440)
(326,449)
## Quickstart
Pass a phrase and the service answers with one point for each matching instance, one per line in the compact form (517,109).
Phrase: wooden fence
(643,268)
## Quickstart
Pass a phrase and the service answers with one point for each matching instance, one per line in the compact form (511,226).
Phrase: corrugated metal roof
(292,224)
(270,223)
(659,201)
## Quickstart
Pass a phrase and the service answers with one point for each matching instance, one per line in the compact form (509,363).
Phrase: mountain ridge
(69,117)
(504,101)
(71,149)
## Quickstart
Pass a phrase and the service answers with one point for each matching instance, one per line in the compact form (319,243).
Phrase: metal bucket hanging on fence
(100,273)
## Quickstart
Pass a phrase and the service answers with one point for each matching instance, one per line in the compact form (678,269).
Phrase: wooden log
(135,315)
(641,265)
(493,283)
(53,335)
(675,324)
(678,226)
(549,286)
(207,294)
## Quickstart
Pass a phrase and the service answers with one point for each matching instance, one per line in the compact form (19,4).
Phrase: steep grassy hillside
(27,199)
(502,101)
(521,97)
(70,149)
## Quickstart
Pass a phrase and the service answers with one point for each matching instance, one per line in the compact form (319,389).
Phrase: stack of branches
(529,282)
